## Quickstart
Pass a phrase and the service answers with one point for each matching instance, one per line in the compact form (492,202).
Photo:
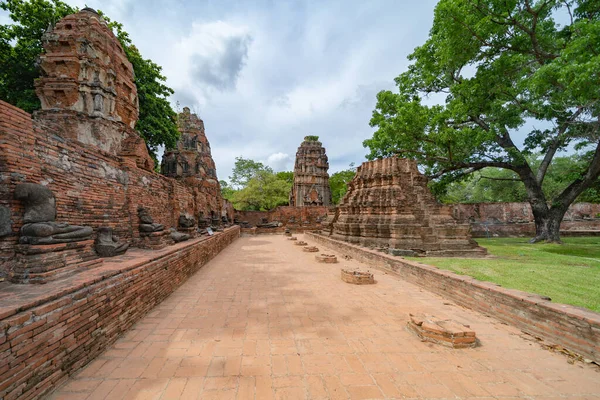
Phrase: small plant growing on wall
(311,138)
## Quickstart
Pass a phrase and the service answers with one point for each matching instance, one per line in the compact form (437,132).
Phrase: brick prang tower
(311,179)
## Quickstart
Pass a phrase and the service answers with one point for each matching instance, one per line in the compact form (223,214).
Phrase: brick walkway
(263,320)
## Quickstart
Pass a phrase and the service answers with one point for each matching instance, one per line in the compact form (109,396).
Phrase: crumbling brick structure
(311,180)
(389,206)
(87,88)
(191,162)
(82,146)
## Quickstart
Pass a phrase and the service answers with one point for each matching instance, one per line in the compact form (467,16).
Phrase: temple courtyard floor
(264,320)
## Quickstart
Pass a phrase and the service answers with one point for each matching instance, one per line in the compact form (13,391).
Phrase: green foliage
(567,273)
(287,176)
(255,187)
(246,169)
(263,192)
(226,190)
(21,45)
(501,185)
(498,65)
(338,182)
(311,138)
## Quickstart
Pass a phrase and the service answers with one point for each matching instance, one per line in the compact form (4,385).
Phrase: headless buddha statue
(147,224)
(40,226)
(107,244)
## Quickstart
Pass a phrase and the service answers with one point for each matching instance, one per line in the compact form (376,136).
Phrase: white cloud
(280,162)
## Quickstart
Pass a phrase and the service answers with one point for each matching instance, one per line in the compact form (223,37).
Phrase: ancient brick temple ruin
(83,212)
(311,180)
(191,162)
(77,173)
(389,206)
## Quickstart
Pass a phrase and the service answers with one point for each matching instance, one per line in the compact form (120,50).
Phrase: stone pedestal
(326,258)
(44,263)
(154,240)
(193,231)
(357,277)
(310,249)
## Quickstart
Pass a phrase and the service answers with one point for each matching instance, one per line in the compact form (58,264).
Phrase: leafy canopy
(246,169)
(21,45)
(500,66)
(338,182)
(255,187)
(502,185)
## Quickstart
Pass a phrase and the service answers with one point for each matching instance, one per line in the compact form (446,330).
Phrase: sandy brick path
(263,320)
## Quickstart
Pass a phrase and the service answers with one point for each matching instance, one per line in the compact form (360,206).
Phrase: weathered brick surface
(389,206)
(574,328)
(191,162)
(311,180)
(92,187)
(49,333)
(296,218)
(516,219)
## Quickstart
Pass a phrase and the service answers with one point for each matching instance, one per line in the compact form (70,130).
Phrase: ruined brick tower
(311,180)
(191,161)
(389,206)
(87,88)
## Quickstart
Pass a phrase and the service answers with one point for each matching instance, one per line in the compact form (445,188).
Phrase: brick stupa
(87,88)
(311,179)
(389,206)
(191,161)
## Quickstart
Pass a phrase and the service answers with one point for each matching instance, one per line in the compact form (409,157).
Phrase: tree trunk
(547,224)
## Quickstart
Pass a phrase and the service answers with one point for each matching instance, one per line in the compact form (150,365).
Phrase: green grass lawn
(567,273)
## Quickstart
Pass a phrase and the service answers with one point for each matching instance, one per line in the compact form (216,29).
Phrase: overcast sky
(264,74)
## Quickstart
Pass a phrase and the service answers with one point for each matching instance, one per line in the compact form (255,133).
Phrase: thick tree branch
(558,140)
(574,189)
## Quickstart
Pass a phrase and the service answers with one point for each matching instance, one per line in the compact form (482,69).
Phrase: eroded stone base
(326,258)
(310,249)
(357,277)
(445,332)
(45,263)
(154,240)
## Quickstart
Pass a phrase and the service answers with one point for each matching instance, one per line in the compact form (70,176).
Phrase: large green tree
(263,192)
(502,67)
(245,169)
(21,45)
(338,182)
(502,185)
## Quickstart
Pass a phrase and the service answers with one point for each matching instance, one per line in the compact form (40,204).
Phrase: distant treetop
(311,138)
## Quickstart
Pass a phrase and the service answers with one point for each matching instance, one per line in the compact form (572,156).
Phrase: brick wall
(516,219)
(92,187)
(293,217)
(60,327)
(573,328)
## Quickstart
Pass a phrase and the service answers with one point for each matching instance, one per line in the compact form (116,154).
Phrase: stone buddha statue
(147,224)
(40,226)
(107,244)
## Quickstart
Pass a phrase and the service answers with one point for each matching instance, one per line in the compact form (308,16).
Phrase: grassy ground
(567,273)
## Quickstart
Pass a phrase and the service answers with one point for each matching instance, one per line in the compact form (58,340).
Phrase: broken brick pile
(445,332)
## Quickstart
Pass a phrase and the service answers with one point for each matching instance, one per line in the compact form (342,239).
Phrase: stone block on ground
(326,258)
(442,331)
(310,249)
